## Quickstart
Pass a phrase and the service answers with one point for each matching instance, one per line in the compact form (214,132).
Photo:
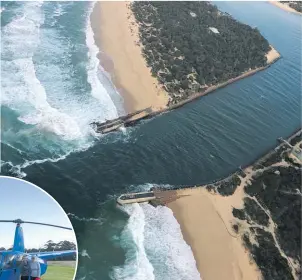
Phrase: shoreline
(217,244)
(117,37)
(284,7)
(212,237)
(257,162)
(218,239)
(217,249)
(272,57)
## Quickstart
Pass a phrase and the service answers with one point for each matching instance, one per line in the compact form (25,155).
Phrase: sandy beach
(272,55)
(285,7)
(206,222)
(116,34)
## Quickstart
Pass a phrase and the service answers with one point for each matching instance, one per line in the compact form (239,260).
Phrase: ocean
(52,88)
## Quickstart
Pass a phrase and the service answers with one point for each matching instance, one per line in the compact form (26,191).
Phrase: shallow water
(201,142)
(51,85)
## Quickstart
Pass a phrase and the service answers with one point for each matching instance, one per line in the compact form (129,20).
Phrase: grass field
(59,271)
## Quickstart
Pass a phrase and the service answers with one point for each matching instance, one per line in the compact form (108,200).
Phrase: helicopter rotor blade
(19,221)
(44,224)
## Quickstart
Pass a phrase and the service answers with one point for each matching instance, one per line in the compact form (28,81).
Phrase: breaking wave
(93,68)
(169,254)
(20,87)
(137,265)
(51,83)
(155,248)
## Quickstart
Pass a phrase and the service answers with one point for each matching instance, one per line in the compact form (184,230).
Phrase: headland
(122,37)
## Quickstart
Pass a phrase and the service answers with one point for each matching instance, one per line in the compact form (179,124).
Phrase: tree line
(50,246)
(190,46)
(277,191)
(296,5)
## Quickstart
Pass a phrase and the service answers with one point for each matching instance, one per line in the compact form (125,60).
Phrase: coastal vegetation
(51,246)
(276,251)
(191,46)
(269,221)
(296,5)
(267,215)
(228,186)
(272,210)
(251,212)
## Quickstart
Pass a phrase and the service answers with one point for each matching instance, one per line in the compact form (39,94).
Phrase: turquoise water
(51,86)
(46,135)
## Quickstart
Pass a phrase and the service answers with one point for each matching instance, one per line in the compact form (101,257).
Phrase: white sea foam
(21,90)
(73,216)
(59,109)
(155,246)
(28,90)
(42,84)
(97,89)
(19,37)
(59,11)
(84,253)
(170,255)
(17,168)
(137,265)
(14,148)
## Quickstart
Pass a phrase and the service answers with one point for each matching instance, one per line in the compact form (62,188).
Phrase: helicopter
(11,260)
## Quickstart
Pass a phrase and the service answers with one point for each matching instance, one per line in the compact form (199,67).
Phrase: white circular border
(77,249)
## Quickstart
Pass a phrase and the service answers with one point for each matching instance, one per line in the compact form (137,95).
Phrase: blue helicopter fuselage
(11,260)
(9,275)
(10,264)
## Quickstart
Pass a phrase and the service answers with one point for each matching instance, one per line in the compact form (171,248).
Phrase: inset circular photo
(37,240)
